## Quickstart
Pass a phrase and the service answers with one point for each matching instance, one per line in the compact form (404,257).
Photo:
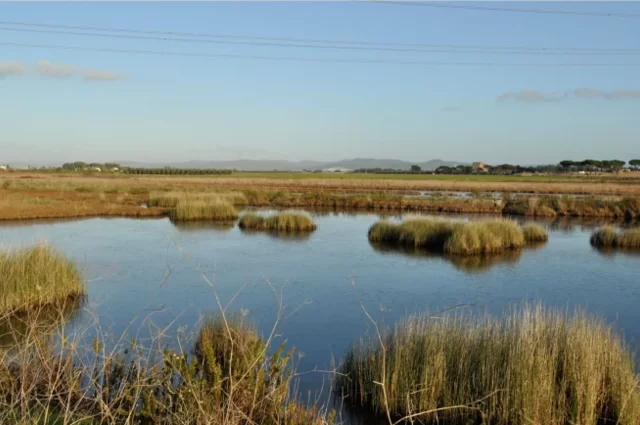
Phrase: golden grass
(171,199)
(197,209)
(588,206)
(609,237)
(531,366)
(229,377)
(458,238)
(281,222)
(534,233)
(36,276)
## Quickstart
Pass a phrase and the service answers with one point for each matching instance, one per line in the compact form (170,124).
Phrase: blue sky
(59,105)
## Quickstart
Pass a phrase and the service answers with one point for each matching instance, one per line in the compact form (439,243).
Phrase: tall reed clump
(459,238)
(229,378)
(197,209)
(609,237)
(282,222)
(36,276)
(532,366)
(171,199)
(534,233)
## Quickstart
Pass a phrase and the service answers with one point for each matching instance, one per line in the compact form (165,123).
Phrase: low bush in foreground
(282,222)
(460,238)
(198,209)
(227,379)
(609,237)
(534,233)
(532,366)
(36,276)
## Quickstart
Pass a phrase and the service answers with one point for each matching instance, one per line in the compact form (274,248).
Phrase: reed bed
(172,198)
(229,376)
(610,237)
(587,206)
(197,209)
(36,276)
(534,233)
(531,366)
(282,222)
(458,238)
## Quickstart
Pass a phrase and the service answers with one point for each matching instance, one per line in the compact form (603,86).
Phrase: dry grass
(229,377)
(300,181)
(197,209)
(534,233)
(609,237)
(550,206)
(458,238)
(37,276)
(281,222)
(532,366)
(48,195)
(171,199)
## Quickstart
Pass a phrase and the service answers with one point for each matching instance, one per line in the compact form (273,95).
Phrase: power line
(316,60)
(174,36)
(313,46)
(508,9)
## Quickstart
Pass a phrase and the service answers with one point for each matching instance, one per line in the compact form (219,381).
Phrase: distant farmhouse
(479,167)
(4,167)
(336,170)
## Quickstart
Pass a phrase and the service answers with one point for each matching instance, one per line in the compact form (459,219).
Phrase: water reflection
(274,234)
(45,321)
(472,264)
(203,226)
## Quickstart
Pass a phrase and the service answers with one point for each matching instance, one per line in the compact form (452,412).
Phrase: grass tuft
(282,222)
(609,237)
(197,209)
(459,238)
(532,366)
(37,276)
(171,199)
(534,233)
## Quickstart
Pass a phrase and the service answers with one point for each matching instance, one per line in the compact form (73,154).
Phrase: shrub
(533,365)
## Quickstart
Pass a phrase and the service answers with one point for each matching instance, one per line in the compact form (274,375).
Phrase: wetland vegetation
(281,222)
(610,237)
(531,366)
(36,276)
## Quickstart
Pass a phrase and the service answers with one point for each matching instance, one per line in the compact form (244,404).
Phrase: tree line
(176,171)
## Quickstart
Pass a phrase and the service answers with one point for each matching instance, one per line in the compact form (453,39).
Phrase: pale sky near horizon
(60,104)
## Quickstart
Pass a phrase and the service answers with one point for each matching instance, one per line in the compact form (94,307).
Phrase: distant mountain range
(279,165)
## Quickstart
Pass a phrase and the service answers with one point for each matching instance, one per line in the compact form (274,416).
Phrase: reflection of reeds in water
(15,328)
(204,226)
(274,234)
(469,264)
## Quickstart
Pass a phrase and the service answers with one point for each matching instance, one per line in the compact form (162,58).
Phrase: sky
(60,105)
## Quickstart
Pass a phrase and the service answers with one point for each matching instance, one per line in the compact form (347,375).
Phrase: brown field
(627,184)
(30,195)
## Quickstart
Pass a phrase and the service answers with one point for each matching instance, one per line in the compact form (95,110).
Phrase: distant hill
(280,165)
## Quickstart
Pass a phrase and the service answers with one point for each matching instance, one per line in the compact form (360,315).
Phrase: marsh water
(146,275)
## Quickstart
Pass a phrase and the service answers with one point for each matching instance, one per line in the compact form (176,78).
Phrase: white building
(4,167)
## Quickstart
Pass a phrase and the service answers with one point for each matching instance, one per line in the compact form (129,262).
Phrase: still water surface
(151,273)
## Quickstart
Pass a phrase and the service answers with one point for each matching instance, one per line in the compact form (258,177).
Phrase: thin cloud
(47,69)
(585,93)
(591,93)
(451,108)
(531,96)
(95,75)
(12,68)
